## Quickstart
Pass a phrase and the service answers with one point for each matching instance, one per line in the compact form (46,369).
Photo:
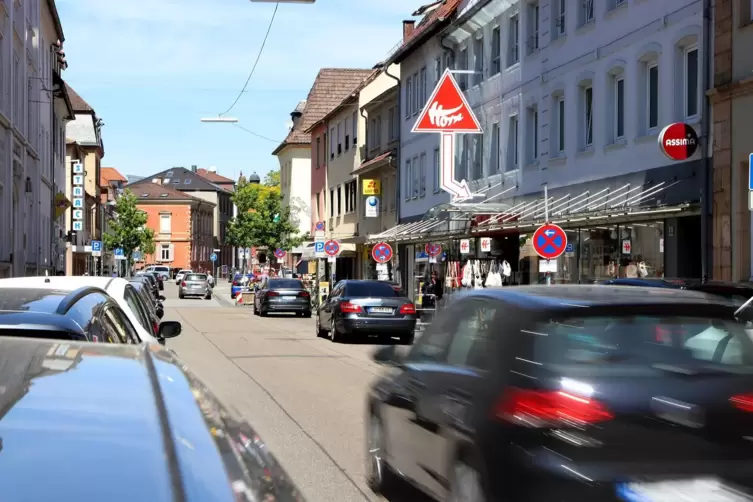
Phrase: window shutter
(172,252)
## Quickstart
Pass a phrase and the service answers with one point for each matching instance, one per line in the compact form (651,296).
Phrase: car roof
(73,412)
(585,295)
(113,285)
(39,321)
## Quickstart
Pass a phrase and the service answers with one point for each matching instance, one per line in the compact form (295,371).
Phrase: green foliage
(128,230)
(272,178)
(261,220)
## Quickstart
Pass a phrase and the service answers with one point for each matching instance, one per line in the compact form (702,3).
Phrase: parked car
(282,296)
(574,393)
(151,279)
(181,274)
(120,290)
(162,270)
(236,286)
(195,285)
(736,290)
(362,308)
(145,423)
(154,307)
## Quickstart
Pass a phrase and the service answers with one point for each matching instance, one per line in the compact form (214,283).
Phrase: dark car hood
(90,420)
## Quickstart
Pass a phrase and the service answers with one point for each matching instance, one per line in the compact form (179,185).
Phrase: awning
(430,228)
(375,163)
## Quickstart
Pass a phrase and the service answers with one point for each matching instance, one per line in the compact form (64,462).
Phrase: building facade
(33,109)
(183,226)
(732,104)
(111,187)
(228,253)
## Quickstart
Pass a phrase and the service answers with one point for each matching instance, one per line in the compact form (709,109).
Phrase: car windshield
(370,290)
(33,300)
(160,269)
(637,345)
(196,277)
(285,284)
(185,271)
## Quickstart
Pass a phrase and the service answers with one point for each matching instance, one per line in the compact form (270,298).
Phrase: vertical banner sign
(77,190)
(448,113)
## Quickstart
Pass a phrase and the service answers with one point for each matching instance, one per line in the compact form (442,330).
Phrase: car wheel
(336,337)
(208,297)
(465,484)
(407,338)
(320,333)
(263,312)
(307,315)
(180,295)
(379,476)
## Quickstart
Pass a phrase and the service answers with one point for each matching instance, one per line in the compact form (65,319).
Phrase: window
(513,55)
(619,107)
(395,127)
(559,16)
(463,65)
(416,176)
(371,134)
(416,93)
(354,123)
(478,60)
(422,174)
(437,170)
(339,200)
(652,89)
(423,92)
(408,180)
(461,159)
(332,143)
(165,223)
(123,327)
(350,196)
(347,134)
(496,46)
(408,96)
(437,68)
(471,345)
(588,124)
(391,124)
(587,11)
(514,135)
(478,157)
(533,27)
(369,289)
(494,153)
(378,132)
(165,252)
(533,120)
(690,61)
(561,124)
(331,202)
(339,139)
(318,151)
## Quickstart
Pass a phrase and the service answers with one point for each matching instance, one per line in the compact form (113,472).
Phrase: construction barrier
(244,297)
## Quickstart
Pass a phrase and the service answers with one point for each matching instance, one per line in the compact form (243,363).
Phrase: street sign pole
(546,221)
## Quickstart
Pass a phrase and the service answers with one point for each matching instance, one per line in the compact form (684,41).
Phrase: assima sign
(678,141)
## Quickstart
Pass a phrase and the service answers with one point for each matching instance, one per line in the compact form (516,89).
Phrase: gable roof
(428,25)
(181,179)
(154,192)
(353,95)
(213,177)
(108,174)
(77,102)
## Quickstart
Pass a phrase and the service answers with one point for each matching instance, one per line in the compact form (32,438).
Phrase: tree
(128,229)
(262,220)
(272,178)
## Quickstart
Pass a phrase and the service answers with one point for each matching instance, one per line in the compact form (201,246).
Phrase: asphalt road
(304,395)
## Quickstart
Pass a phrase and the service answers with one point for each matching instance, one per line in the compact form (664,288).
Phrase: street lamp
(230,120)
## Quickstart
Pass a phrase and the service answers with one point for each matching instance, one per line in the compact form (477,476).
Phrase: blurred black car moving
(570,393)
(282,296)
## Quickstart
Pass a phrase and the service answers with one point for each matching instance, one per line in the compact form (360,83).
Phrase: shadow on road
(406,493)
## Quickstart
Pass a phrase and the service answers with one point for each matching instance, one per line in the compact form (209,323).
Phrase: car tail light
(273,293)
(535,408)
(408,308)
(304,294)
(183,284)
(350,308)
(155,327)
(743,402)
(236,283)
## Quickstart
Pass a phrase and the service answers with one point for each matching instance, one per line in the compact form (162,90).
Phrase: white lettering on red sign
(440,117)
(465,246)
(486,244)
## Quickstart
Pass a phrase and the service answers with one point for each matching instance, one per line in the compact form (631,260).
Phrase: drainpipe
(399,135)
(52,160)
(706,188)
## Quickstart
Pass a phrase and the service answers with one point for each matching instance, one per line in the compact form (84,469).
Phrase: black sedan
(363,308)
(282,296)
(734,290)
(570,393)
(131,414)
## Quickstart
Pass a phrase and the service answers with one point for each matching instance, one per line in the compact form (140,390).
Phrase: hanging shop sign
(678,141)
(372,187)
(448,113)
(485,243)
(371,209)
(465,246)
(381,252)
(549,241)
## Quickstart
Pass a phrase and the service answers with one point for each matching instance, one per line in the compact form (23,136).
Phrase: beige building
(377,171)
(732,115)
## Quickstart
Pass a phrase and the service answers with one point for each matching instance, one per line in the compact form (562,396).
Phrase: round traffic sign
(433,250)
(320,225)
(549,241)
(280,253)
(678,141)
(213,257)
(381,252)
(332,248)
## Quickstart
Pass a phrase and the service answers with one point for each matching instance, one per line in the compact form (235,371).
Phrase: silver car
(195,285)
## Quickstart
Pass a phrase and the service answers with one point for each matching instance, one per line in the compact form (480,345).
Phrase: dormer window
(169,174)
(187,181)
(163,195)
(145,195)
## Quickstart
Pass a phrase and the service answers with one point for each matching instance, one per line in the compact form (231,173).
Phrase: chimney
(194,168)
(295,116)
(408,29)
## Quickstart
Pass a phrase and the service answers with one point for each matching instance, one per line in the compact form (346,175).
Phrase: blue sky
(152,68)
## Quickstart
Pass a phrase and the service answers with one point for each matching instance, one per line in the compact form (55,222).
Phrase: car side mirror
(160,312)
(387,355)
(162,298)
(170,329)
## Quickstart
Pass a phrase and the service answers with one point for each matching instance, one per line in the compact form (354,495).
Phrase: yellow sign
(372,187)
(323,291)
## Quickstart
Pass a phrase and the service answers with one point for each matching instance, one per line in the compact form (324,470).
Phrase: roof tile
(77,102)
(213,177)
(108,174)
(155,191)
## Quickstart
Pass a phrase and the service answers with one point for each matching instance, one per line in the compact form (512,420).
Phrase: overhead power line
(258,57)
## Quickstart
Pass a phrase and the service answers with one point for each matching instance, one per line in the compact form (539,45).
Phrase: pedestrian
(433,291)
(210,279)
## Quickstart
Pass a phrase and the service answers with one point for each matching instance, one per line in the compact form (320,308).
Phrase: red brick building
(182,226)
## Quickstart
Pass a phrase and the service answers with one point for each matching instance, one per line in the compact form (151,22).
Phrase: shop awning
(375,163)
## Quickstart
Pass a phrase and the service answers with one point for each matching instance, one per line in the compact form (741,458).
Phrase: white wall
(295,183)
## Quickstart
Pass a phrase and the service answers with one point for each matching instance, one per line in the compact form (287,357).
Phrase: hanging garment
(467,279)
(642,269)
(478,282)
(494,279)
(506,269)
(611,269)
(631,271)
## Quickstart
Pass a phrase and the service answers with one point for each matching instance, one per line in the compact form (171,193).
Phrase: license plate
(289,294)
(693,490)
(380,310)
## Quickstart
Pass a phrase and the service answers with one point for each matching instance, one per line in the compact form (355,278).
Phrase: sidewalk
(221,292)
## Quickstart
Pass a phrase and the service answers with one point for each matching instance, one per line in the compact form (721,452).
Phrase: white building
(33,108)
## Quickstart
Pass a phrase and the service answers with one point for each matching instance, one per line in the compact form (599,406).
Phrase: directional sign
(119,254)
(549,241)
(433,250)
(213,257)
(280,253)
(319,249)
(137,256)
(381,252)
(332,248)
(96,248)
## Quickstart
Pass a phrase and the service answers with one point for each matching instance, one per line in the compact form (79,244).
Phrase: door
(326,311)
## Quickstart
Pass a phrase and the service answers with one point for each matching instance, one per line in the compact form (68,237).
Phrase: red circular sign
(381,252)
(433,250)
(678,141)
(332,247)
(549,241)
